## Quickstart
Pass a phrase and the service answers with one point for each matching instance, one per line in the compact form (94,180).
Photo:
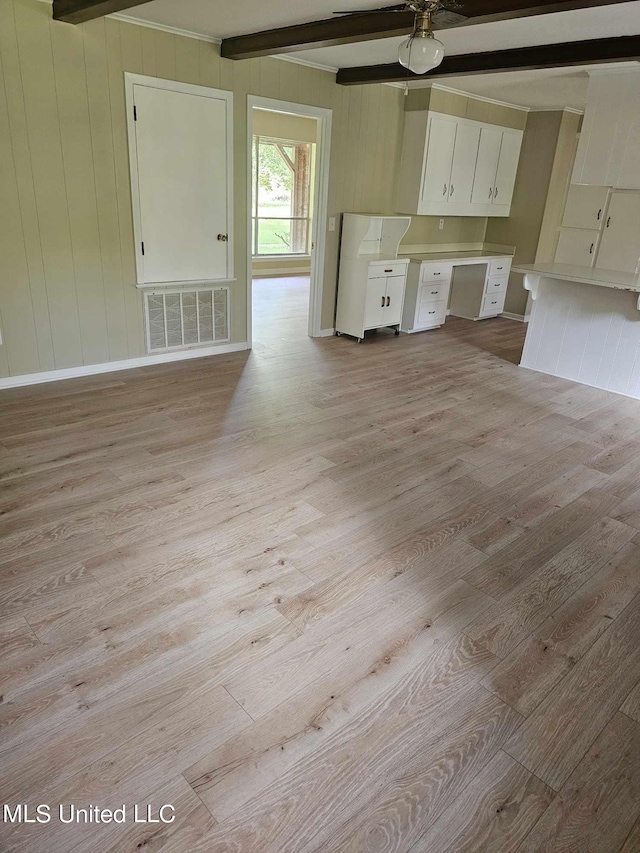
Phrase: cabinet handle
(223,238)
(495,195)
(444,191)
(437,273)
(490,192)
(591,249)
(451,190)
(388,301)
(382,306)
(434,292)
(498,268)
(599,215)
(388,270)
(608,221)
(432,312)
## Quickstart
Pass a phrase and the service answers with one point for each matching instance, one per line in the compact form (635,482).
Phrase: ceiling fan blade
(399,7)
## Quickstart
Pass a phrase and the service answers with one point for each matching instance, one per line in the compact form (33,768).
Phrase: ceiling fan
(422,51)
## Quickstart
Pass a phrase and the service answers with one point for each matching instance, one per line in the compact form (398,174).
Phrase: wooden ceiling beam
(79,11)
(365,26)
(566,54)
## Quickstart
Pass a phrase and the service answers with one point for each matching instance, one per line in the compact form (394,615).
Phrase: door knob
(223,238)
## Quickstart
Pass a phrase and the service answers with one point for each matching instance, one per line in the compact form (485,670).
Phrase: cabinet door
(180,187)
(576,246)
(585,206)
(437,167)
(507,168)
(375,302)
(486,165)
(394,298)
(463,167)
(620,244)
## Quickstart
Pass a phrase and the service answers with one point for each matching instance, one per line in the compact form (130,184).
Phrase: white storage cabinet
(453,166)
(372,279)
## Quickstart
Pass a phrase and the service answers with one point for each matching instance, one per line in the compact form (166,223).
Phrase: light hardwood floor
(324,597)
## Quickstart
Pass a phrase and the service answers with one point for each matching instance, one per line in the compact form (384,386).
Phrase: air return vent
(186,318)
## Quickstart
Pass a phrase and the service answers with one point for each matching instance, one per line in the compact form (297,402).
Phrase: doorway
(288,177)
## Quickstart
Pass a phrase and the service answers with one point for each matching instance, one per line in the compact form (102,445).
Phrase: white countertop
(469,257)
(585,275)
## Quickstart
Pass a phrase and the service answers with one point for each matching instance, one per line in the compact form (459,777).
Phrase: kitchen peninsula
(585,325)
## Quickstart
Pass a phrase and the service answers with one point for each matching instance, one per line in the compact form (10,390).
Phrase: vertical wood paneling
(187,60)
(17,128)
(209,55)
(99,95)
(77,155)
(43,129)
(20,345)
(165,54)
(289,74)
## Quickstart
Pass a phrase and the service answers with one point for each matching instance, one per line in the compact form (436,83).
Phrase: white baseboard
(112,366)
(326,333)
(522,318)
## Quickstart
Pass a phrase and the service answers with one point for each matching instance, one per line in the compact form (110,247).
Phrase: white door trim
(130,81)
(320,207)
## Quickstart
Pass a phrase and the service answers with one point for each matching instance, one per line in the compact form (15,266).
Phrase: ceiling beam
(592,52)
(79,11)
(348,29)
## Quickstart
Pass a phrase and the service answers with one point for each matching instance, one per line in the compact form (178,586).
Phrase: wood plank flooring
(323,597)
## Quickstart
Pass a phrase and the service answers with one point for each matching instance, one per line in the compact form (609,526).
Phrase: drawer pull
(437,273)
(434,292)
(432,312)
(499,268)
(388,270)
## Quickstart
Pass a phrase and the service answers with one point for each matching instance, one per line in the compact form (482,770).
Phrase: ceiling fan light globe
(421,53)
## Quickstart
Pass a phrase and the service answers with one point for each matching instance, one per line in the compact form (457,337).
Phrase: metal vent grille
(186,318)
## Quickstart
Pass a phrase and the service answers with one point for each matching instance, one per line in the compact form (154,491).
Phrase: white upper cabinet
(620,243)
(507,168)
(585,206)
(463,165)
(180,147)
(454,166)
(608,152)
(437,167)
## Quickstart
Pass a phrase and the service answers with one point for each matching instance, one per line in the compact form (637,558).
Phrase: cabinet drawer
(435,272)
(500,267)
(384,270)
(435,292)
(492,304)
(431,314)
(496,284)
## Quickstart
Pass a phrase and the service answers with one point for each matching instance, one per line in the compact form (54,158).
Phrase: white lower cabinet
(474,288)
(370,296)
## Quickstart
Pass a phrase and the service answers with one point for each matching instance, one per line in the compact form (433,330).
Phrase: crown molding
(474,97)
(176,31)
(317,65)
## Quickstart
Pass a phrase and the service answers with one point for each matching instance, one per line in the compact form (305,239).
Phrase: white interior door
(181,148)
(486,165)
(620,244)
(435,184)
(507,168)
(463,167)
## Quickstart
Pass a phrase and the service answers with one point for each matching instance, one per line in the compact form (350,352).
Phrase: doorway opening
(288,170)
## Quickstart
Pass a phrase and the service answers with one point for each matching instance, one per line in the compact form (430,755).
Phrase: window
(282,196)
